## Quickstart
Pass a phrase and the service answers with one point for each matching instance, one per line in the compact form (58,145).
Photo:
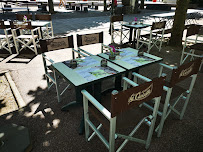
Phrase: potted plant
(112,55)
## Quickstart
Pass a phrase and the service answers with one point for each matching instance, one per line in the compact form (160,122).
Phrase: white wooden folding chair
(153,38)
(47,32)
(174,92)
(193,43)
(55,44)
(6,38)
(122,103)
(25,40)
(116,29)
(88,39)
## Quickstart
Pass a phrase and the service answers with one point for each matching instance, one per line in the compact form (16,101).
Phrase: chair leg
(86,117)
(35,46)
(151,129)
(57,86)
(188,96)
(165,109)
(160,44)
(112,132)
(16,45)
(9,47)
(149,48)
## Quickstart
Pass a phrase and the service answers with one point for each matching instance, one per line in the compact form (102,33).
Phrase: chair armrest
(85,51)
(101,108)
(8,29)
(127,81)
(141,77)
(145,30)
(146,79)
(167,66)
(47,58)
(78,52)
(37,28)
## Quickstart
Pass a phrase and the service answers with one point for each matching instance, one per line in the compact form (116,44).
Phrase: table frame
(134,35)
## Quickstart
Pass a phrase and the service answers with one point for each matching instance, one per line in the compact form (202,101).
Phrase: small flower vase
(24,18)
(112,56)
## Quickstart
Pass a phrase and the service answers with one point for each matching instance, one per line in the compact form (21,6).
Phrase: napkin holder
(103,63)
(73,64)
(140,53)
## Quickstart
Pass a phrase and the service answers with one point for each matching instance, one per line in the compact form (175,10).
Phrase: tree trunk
(179,23)
(126,2)
(134,4)
(105,6)
(51,6)
(142,4)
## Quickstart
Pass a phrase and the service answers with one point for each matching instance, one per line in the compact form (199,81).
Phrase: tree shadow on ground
(2,104)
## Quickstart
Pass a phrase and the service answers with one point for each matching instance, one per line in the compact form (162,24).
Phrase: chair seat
(45,28)
(27,36)
(177,90)
(148,35)
(123,120)
(197,46)
(4,36)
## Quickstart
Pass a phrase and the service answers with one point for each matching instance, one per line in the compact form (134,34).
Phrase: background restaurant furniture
(174,92)
(122,113)
(54,44)
(153,38)
(88,39)
(20,17)
(116,29)
(47,32)
(5,39)
(25,39)
(193,42)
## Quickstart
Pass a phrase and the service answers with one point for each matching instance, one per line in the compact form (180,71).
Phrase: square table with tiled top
(134,26)
(129,59)
(88,72)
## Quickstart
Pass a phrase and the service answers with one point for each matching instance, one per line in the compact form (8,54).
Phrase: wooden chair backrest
(184,71)
(200,31)
(193,30)
(132,97)
(88,39)
(43,17)
(2,25)
(158,25)
(116,18)
(56,43)
(26,25)
(20,16)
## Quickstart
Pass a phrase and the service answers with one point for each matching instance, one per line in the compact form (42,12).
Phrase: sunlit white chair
(47,32)
(25,40)
(116,29)
(89,39)
(6,38)
(122,113)
(154,36)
